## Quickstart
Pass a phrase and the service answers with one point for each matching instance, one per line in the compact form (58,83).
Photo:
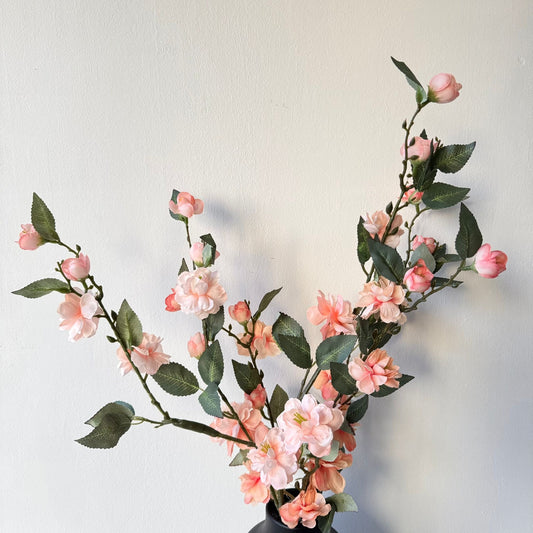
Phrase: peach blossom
(327,476)
(29,239)
(76,268)
(263,342)
(346,439)
(323,384)
(418,278)
(240,312)
(412,196)
(196,345)
(377,224)
(307,506)
(337,314)
(420,149)
(77,314)
(490,264)
(255,491)
(147,357)
(199,292)
(428,241)
(170,302)
(376,370)
(443,88)
(196,252)
(186,205)
(383,297)
(257,397)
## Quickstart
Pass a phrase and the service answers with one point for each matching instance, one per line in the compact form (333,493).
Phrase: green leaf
(214,323)
(246,375)
(332,455)
(363,253)
(411,78)
(183,267)
(357,410)
(240,458)
(109,423)
(341,380)
(424,173)
(209,251)
(291,339)
(211,364)
(452,158)
(177,380)
(439,282)
(451,258)
(363,333)
(334,349)
(343,502)
(325,522)
(442,195)
(277,401)
(469,238)
(114,408)
(210,400)
(43,220)
(385,391)
(129,326)
(42,287)
(265,302)
(422,252)
(175,216)
(387,261)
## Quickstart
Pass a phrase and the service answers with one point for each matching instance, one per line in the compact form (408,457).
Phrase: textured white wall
(284,117)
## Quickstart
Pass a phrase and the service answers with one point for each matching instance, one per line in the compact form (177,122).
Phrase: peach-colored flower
(323,384)
(147,357)
(255,491)
(490,264)
(196,252)
(170,302)
(428,241)
(418,278)
(186,205)
(307,506)
(376,224)
(346,439)
(29,239)
(412,196)
(337,314)
(199,292)
(271,459)
(257,397)
(77,315)
(240,312)
(76,268)
(443,88)
(420,149)
(196,345)
(263,341)
(378,369)
(327,476)
(382,297)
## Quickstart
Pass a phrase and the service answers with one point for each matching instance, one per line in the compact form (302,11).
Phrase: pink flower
(199,292)
(257,397)
(382,297)
(337,314)
(418,278)
(377,224)
(196,345)
(420,149)
(308,422)
(490,264)
(412,196)
(240,312)
(170,302)
(196,253)
(29,239)
(272,460)
(78,315)
(147,357)
(346,439)
(327,476)
(263,341)
(186,205)
(255,491)
(76,268)
(443,88)
(307,506)
(323,384)
(428,241)
(377,370)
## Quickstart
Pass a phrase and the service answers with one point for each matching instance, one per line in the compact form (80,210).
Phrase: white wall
(284,117)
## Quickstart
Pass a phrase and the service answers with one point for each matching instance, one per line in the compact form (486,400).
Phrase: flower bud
(443,88)
(76,268)
(196,345)
(418,278)
(490,264)
(29,239)
(240,312)
(196,252)
(428,241)
(419,149)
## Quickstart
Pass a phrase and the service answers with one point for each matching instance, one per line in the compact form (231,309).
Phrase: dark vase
(273,524)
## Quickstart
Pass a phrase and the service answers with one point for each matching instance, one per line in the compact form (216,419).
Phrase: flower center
(265,447)
(299,418)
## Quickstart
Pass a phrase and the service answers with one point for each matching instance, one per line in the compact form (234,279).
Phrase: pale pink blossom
(307,506)
(77,314)
(258,397)
(412,196)
(336,314)
(170,302)
(323,384)
(147,357)
(196,252)
(29,239)
(377,370)
(418,278)
(240,312)
(76,268)
(490,264)
(199,292)
(263,342)
(420,149)
(383,297)
(376,224)
(196,345)
(307,421)
(271,459)
(186,205)
(328,476)
(428,241)
(443,88)
(255,491)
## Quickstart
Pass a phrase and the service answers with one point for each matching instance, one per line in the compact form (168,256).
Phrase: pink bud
(490,264)
(29,239)
(76,268)
(412,196)
(240,312)
(170,302)
(418,278)
(196,345)
(196,253)
(257,397)
(186,205)
(428,241)
(420,149)
(443,88)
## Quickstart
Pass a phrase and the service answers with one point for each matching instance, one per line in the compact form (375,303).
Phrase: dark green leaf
(177,380)
(214,323)
(334,349)
(387,261)
(439,282)
(343,502)
(108,430)
(385,391)
(246,375)
(325,522)
(357,410)
(341,380)
(265,302)
(291,339)
(240,458)
(363,253)
(364,335)
(451,258)
(209,251)
(129,326)
(422,252)
(211,364)
(183,267)
(411,78)
(469,238)
(43,220)
(111,339)
(176,216)
(42,287)
(114,408)
(210,400)
(277,401)
(423,173)
(452,158)
(442,195)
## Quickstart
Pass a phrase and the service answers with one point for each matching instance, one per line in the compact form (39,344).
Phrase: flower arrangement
(294,449)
